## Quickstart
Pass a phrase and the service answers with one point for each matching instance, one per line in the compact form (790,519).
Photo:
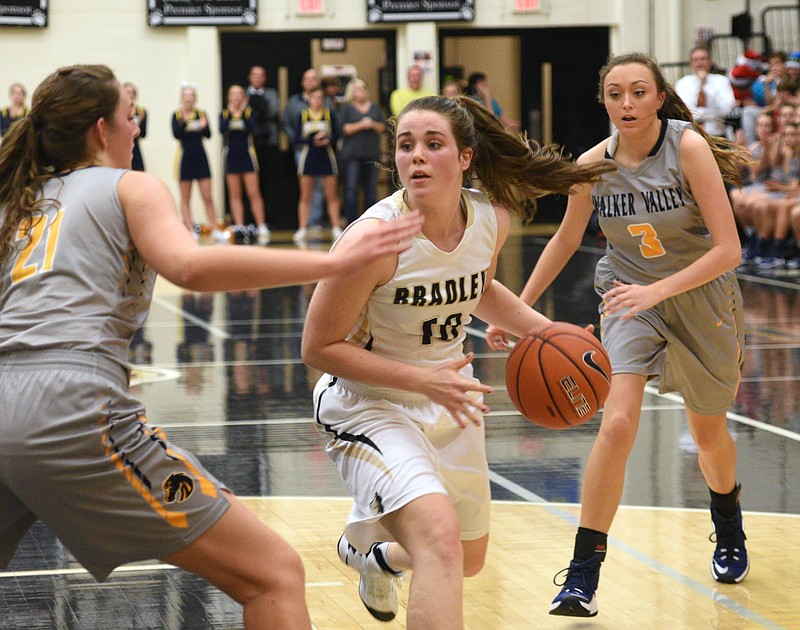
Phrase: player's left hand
(496,338)
(634,297)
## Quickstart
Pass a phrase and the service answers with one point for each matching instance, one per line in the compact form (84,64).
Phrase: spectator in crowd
(266,111)
(753,178)
(793,69)
(362,123)
(190,126)
(478,88)
(331,88)
(291,116)
(771,210)
(317,134)
(763,92)
(140,118)
(452,88)
(414,89)
(763,208)
(709,96)
(16,108)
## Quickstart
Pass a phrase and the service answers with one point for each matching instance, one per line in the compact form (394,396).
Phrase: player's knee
(618,428)
(443,542)
(282,576)
(709,441)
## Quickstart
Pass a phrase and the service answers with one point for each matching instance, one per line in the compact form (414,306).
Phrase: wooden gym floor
(221,375)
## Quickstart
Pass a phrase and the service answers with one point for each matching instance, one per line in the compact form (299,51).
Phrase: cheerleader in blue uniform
(190,126)
(140,118)
(317,133)
(236,124)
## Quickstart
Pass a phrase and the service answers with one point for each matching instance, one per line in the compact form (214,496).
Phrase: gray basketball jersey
(648,214)
(78,282)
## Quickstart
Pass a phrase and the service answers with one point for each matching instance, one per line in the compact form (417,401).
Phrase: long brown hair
(51,140)
(730,157)
(512,170)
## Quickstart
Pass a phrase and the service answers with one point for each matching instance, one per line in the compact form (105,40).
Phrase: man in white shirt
(709,96)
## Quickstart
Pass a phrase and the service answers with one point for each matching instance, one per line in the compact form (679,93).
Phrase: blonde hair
(351,86)
(512,170)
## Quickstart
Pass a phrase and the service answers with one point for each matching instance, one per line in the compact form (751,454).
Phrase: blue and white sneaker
(768,262)
(378,585)
(577,597)
(730,564)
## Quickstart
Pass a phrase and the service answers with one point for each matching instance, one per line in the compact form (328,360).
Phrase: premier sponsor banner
(420,10)
(202,12)
(31,13)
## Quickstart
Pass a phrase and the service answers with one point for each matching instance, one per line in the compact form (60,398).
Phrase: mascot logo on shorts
(178,487)
(376,505)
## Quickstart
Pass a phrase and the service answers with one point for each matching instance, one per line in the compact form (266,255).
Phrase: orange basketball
(558,377)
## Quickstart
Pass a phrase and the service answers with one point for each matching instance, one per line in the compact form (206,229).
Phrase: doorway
(285,56)
(514,61)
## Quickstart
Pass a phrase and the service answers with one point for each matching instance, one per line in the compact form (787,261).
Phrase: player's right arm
(168,247)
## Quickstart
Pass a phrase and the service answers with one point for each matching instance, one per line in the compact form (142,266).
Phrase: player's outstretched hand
(380,238)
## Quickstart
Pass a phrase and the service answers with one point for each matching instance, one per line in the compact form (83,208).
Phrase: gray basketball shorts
(693,342)
(392,447)
(77,453)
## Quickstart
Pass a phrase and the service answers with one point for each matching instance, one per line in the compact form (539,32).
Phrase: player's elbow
(733,256)
(189,273)
(309,351)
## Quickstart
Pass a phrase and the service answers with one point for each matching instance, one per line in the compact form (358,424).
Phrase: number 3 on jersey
(34,230)
(650,246)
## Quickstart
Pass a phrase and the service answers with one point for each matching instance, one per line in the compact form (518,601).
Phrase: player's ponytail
(51,141)
(513,171)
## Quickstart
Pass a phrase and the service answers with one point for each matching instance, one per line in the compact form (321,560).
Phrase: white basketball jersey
(419,316)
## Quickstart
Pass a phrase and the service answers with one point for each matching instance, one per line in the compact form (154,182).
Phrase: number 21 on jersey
(31,259)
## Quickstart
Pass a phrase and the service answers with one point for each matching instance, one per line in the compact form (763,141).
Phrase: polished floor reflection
(221,375)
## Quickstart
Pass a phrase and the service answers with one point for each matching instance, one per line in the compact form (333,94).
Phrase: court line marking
(197,321)
(650,389)
(791,435)
(127,568)
(557,509)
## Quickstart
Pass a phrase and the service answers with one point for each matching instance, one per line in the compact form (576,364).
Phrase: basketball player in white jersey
(81,239)
(671,306)
(400,406)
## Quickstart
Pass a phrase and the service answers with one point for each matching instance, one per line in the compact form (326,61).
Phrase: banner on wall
(21,13)
(420,10)
(202,12)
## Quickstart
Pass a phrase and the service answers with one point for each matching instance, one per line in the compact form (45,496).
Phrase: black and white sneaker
(378,585)
(730,564)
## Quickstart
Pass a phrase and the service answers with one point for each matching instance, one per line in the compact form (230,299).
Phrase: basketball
(558,377)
